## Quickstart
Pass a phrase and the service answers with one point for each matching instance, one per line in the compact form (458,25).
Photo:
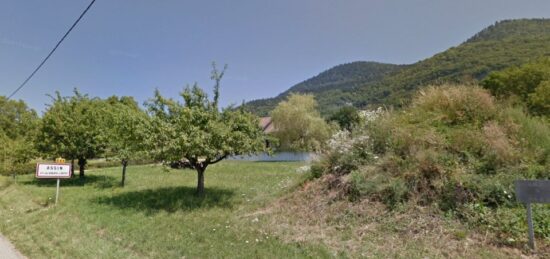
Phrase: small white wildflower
(246,241)
(369,116)
(303,169)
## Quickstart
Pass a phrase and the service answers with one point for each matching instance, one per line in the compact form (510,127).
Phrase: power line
(53,50)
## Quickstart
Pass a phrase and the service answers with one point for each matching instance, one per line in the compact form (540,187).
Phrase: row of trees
(18,125)
(79,128)
(301,127)
(528,84)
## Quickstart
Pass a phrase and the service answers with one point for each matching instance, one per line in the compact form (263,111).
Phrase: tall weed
(456,148)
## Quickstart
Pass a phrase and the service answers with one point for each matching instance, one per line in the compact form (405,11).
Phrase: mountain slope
(506,43)
(345,77)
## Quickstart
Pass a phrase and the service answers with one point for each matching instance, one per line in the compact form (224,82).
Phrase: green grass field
(155,215)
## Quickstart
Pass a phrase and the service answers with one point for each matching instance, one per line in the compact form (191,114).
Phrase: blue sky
(131,47)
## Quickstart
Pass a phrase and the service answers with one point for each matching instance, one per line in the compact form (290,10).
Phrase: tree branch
(193,161)
(218,159)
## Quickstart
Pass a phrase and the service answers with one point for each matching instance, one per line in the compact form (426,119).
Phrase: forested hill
(504,44)
(507,28)
(344,77)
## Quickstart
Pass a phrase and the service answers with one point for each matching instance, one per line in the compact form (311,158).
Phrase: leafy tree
(299,125)
(17,131)
(529,83)
(74,128)
(197,131)
(347,117)
(15,153)
(127,131)
(540,98)
(127,101)
(16,118)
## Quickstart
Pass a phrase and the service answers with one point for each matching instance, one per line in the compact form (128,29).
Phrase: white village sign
(53,171)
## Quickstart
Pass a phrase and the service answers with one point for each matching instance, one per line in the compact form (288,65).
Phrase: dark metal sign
(532,191)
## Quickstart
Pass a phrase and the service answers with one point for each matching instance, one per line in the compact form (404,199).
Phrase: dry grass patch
(318,214)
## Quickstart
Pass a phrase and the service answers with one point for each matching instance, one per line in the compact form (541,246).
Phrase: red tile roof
(267,124)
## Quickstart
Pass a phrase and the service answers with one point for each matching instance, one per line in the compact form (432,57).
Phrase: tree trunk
(72,167)
(81,164)
(200,179)
(124,164)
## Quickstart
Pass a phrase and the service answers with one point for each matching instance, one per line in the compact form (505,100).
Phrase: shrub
(455,148)
(533,133)
(317,170)
(455,104)
(386,189)
(528,85)
(499,149)
(19,169)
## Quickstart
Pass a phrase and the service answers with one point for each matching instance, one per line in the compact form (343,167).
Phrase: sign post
(54,171)
(57,191)
(532,191)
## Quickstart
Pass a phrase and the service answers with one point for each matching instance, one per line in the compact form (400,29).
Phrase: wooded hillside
(363,84)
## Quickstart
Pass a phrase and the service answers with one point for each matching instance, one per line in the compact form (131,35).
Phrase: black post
(124,164)
(530,223)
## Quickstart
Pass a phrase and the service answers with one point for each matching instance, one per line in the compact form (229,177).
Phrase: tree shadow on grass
(98,181)
(170,199)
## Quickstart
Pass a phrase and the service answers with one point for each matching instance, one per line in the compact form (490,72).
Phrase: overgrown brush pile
(455,148)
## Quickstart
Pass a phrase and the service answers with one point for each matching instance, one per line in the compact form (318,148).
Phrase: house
(266,123)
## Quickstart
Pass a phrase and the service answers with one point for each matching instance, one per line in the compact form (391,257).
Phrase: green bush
(316,170)
(528,85)
(533,133)
(454,104)
(19,169)
(384,188)
(30,168)
(510,224)
(4,183)
(456,148)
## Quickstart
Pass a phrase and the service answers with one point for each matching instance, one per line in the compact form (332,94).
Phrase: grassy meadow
(250,210)
(155,215)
